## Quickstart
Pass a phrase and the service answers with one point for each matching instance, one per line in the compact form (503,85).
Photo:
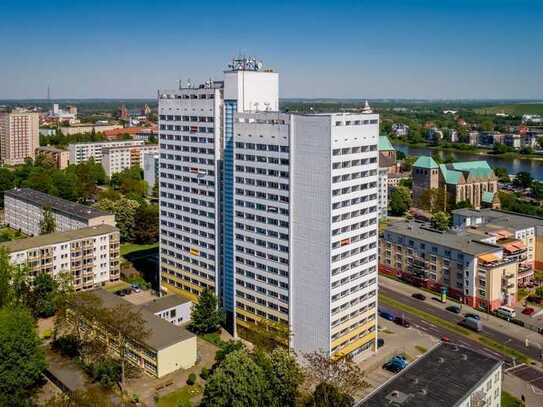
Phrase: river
(513,165)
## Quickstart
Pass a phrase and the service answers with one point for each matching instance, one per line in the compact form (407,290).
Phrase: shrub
(204,374)
(67,345)
(107,372)
(192,379)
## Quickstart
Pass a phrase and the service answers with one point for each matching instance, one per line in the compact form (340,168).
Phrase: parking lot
(410,342)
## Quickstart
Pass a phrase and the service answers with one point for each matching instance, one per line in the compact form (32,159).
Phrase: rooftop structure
(24,211)
(447,376)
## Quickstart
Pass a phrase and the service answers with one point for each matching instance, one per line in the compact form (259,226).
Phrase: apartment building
(167,348)
(470,267)
(84,151)
(58,156)
(19,136)
(471,379)
(151,169)
(120,158)
(23,211)
(299,210)
(89,255)
(519,235)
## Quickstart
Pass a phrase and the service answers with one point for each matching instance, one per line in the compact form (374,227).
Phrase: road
(527,373)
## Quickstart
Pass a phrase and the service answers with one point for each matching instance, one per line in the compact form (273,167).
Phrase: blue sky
(369,49)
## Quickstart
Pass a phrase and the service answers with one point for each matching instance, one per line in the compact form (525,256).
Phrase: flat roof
(463,241)
(56,237)
(502,218)
(164,303)
(57,204)
(444,376)
(53,149)
(162,333)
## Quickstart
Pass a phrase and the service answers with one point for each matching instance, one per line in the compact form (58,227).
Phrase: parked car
(380,342)
(506,312)
(402,322)
(474,316)
(136,288)
(387,315)
(445,339)
(453,308)
(396,364)
(419,296)
(472,323)
(528,311)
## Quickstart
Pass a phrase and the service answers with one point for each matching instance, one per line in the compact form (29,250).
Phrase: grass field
(510,401)
(181,397)
(514,108)
(127,248)
(7,234)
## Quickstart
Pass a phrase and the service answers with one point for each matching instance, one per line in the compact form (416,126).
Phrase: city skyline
(352,50)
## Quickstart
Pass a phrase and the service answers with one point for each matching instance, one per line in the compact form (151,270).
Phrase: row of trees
(273,377)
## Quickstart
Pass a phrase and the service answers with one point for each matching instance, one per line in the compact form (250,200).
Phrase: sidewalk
(498,324)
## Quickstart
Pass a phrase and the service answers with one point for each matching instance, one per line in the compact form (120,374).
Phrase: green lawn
(180,397)
(510,401)
(7,234)
(127,248)
(121,285)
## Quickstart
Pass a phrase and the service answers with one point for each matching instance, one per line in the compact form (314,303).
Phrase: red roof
(116,133)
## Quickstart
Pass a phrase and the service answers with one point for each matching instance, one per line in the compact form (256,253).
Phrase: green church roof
(450,176)
(385,144)
(425,161)
(475,168)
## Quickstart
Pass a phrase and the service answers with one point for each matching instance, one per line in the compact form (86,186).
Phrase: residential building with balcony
(90,256)
(84,151)
(276,212)
(58,156)
(23,211)
(120,158)
(167,348)
(520,235)
(470,267)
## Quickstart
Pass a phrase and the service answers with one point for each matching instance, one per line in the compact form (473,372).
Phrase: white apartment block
(90,255)
(19,136)
(80,152)
(383,192)
(23,211)
(151,169)
(299,216)
(118,159)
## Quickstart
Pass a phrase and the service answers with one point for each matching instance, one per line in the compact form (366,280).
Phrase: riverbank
(483,152)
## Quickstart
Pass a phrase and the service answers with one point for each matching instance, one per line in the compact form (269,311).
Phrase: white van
(506,312)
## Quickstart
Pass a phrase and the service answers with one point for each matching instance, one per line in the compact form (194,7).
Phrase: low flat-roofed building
(166,349)
(59,156)
(472,267)
(449,375)
(172,308)
(23,208)
(89,255)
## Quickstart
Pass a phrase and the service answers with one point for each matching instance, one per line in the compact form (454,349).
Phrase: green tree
(537,190)
(226,349)
(125,215)
(440,220)
(502,174)
(48,223)
(22,360)
(237,382)
(523,179)
(90,397)
(14,282)
(399,201)
(7,182)
(147,227)
(41,299)
(327,395)
(206,316)
(283,376)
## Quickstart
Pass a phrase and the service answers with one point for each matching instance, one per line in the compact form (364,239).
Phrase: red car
(445,339)
(528,311)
